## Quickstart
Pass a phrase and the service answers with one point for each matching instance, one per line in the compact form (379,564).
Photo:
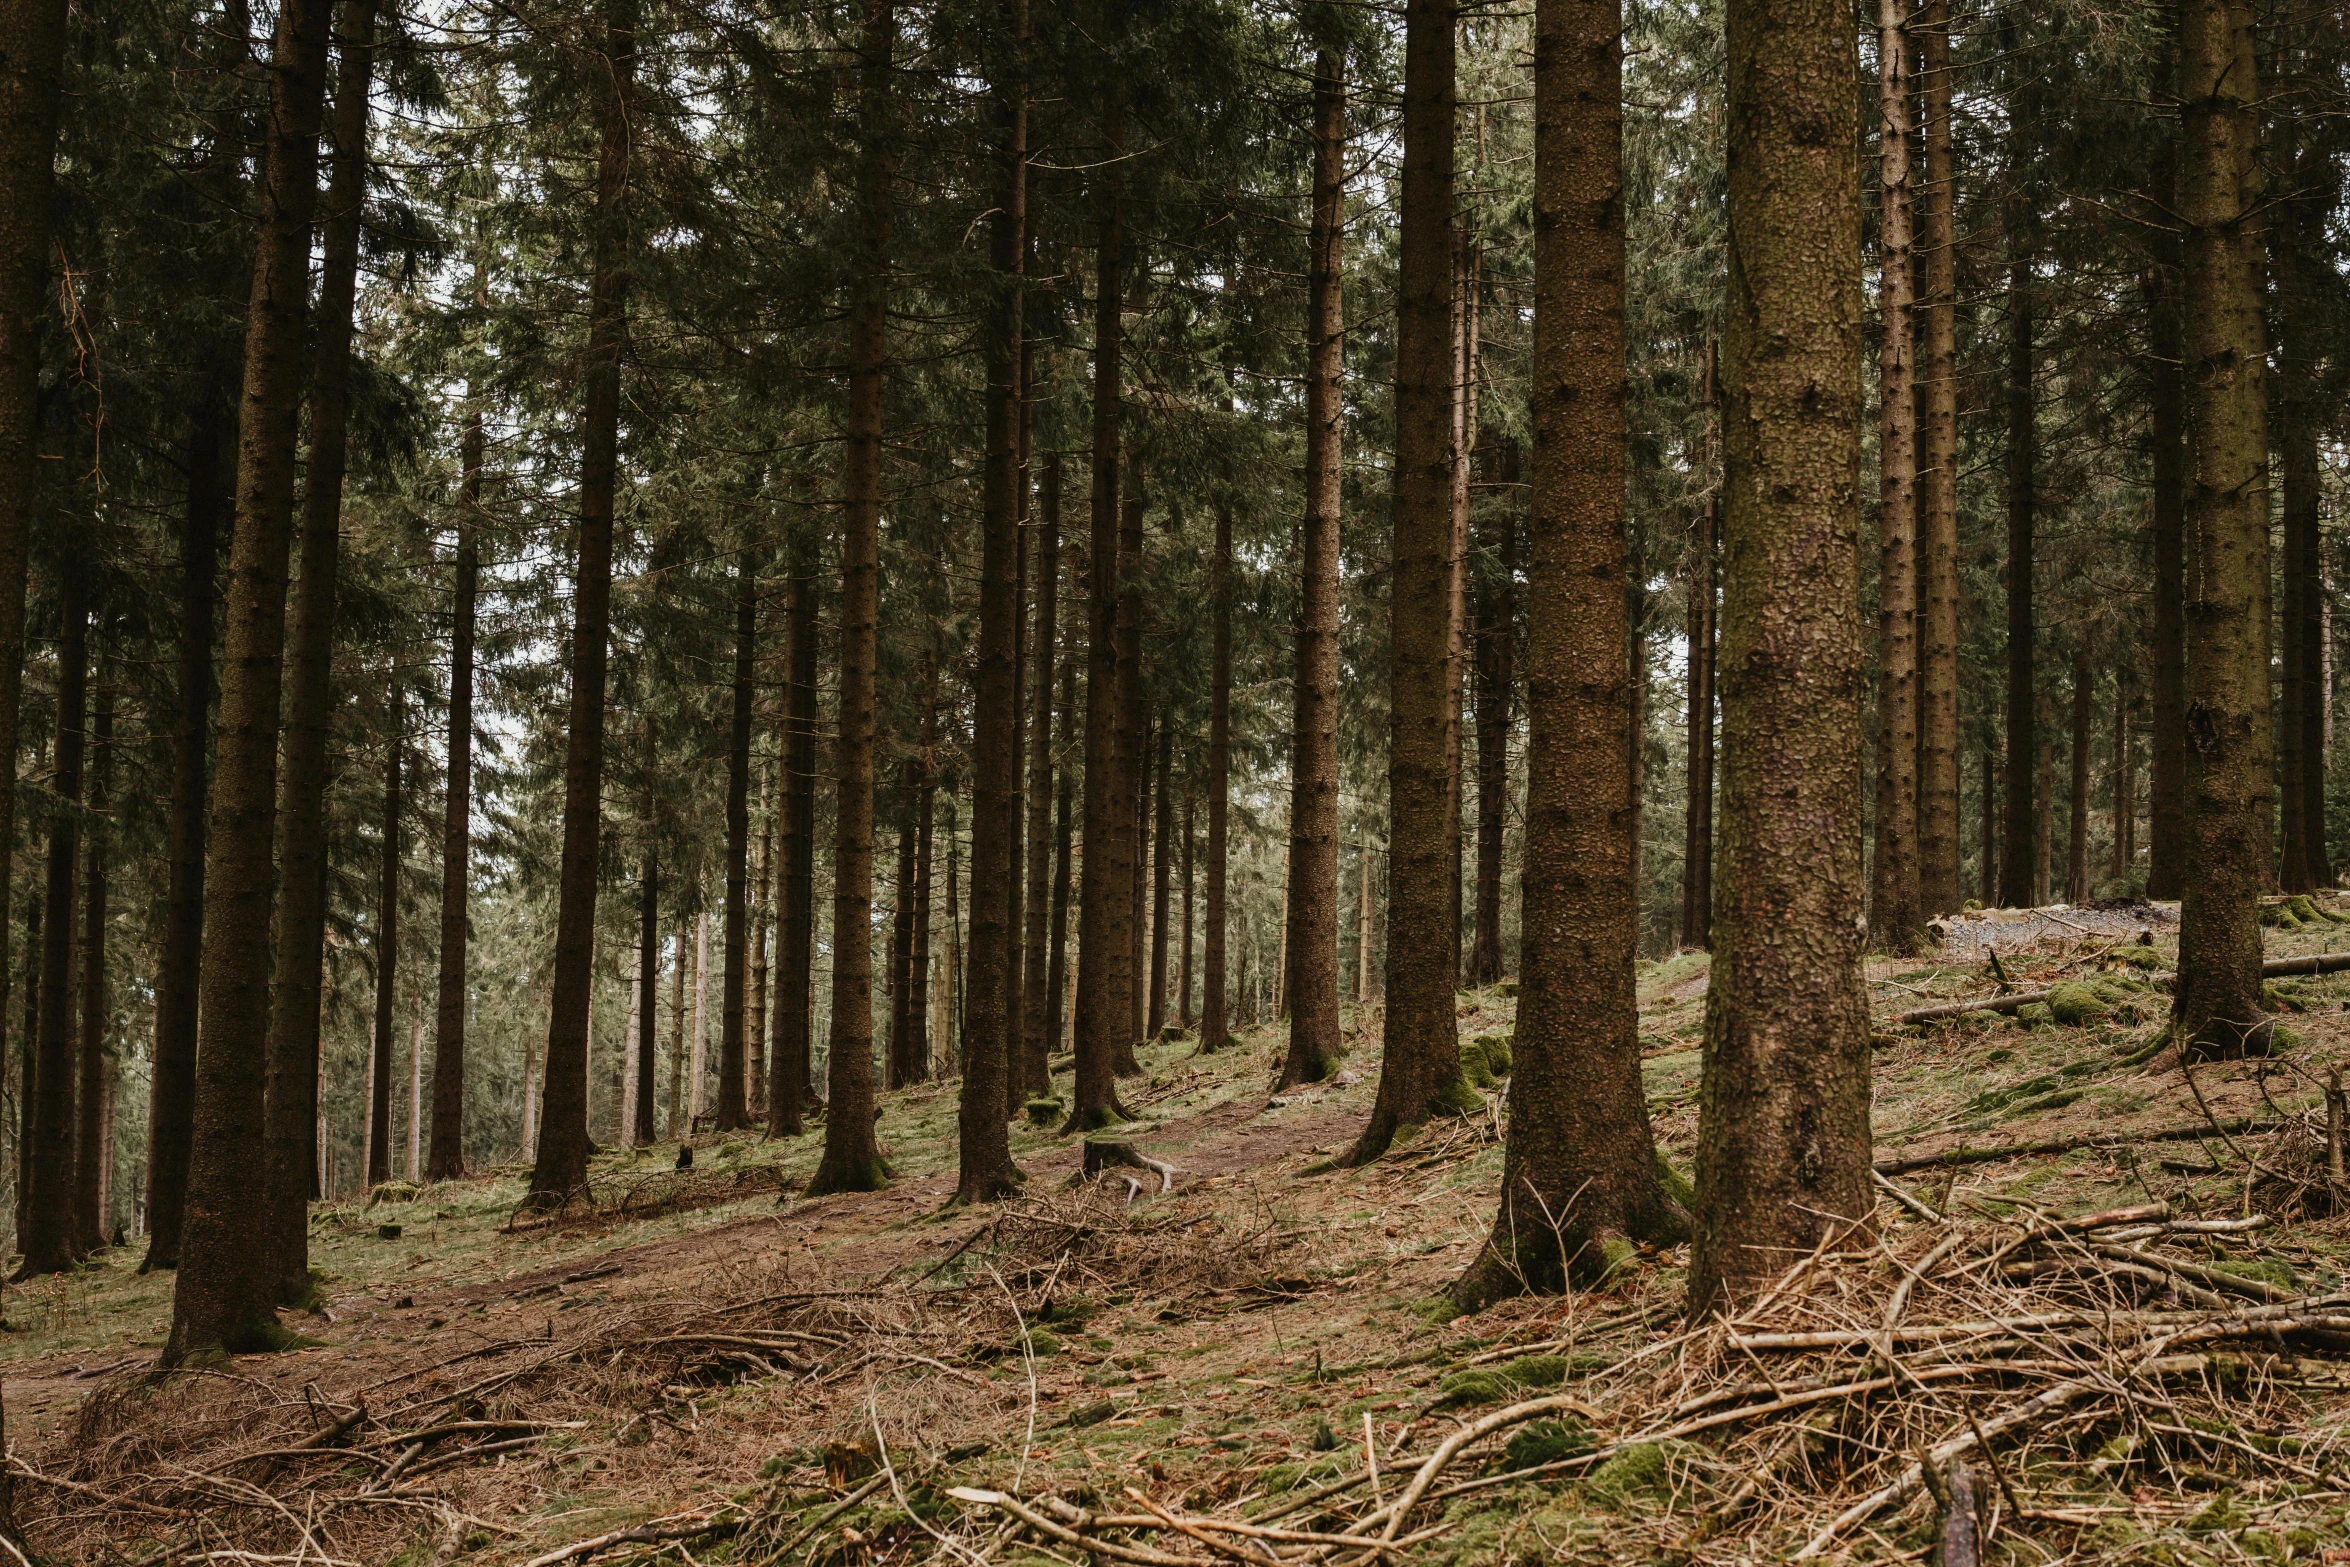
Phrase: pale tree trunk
(1162,868)
(1697,837)
(697,1087)
(648,971)
(1783,1117)
(1895,912)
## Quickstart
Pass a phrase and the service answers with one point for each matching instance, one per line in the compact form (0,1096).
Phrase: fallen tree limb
(677,1526)
(2315,963)
(2007,1003)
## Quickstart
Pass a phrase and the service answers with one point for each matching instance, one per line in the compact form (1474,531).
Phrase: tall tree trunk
(32,62)
(1214,1027)
(1366,932)
(1468,266)
(791,1087)
(1037,1012)
(1989,820)
(1783,1119)
(914,1065)
(1580,1177)
(648,973)
(901,931)
(1135,746)
(1496,670)
(2019,878)
(90,1149)
(2076,863)
(1060,992)
(734,1110)
(679,1128)
(2166,428)
(1896,915)
(2301,731)
(1420,1073)
(1183,963)
(2125,775)
(1162,871)
(2044,804)
(1104,953)
(985,1170)
(29,1057)
(1697,837)
(852,1157)
(387,959)
(2218,1012)
(561,1165)
(223,1296)
(1139,924)
(1315,1047)
(755,988)
(1936,315)
(290,1126)
(448,1061)
(171,1104)
(1017,954)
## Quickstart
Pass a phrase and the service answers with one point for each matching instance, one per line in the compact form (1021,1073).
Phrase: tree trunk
(1183,1012)
(1895,900)
(1496,671)
(1468,265)
(2020,880)
(223,1296)
(2301,731)
(1580,1168)
(1039,1033)
(1144,984)
(561,1166)
(1990,819)
(29,1056)
(734,1111)
(32,58)
(1060,989)
(901,931)
(2218,1011)
(2166,424)
(914,1065)
(1783,1118)
(387,959)
(1697,838)
(171,1105)
(290,1127)
(755,988)
(1315,1047)
(1017,954)
(2044,805)
(2125,777)
(679,1130)
(791,1086)
(1135,719)
(1936,316)
(89,1132)
(1214,1029)
(448,1062)
(2076,860)
(985,1171)
(648,970)
(852,1157)
(1104,951)
(1420,1072)
(698,1061)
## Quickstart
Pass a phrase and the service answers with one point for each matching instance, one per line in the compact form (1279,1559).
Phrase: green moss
(1458,1098)
(2075,1003)
(2148,959)
(1496,1048)
(1494,1384)
(2259,1268)
(1677,1186)
(1546,1442)
(1640,1472)
(1043,1342)
(1043,1112)
(2033,1013)
(2041,1102)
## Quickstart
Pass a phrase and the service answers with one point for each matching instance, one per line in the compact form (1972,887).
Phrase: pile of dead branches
(1091,1239)
(651,1194)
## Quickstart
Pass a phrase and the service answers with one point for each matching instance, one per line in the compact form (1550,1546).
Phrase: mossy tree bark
(1936,315)
(1579,1176)
(290,1128)
(1315,1048)
(1420,1073)
(2218,1011)
(1783,1131)
(223,1297)
(1896,915)
(852,1154)
(561,1166)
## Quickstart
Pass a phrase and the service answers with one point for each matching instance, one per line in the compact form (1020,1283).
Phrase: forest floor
(1248,1370)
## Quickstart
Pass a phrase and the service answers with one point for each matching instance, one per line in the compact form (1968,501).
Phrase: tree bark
(172,1089)
(561,1166)
(1989,818)
(1936,315)
(1468,266)
(1060,993)
(791,1081)
(1496,671)
(2166,424)
(1580,1168)
(914,1065)
(2044,803)
(2125,776)
(1420,1071)
(1783,1128)
(1135,745)
(2018,872)
(901,930)
(1315,1047)
(2218,1011)
(290,1125)
(755,1035)
(985,1171)
(648,970)
(2301,731)
(1183,1012)
(1214,1027)
(1038,1012)
(448,1062)
(223,1296)
(679,1129)
(852,1156)
(1697,839)
(89,1131)
(387,958)
(1105,975)
(1162,886)
(2076,860)
(1896,917)
(1139,925)
(734,1110)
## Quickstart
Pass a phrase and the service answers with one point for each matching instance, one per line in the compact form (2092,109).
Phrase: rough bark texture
(1037,1012)
(1162,884)
(1896,915)
(1134,717)
(563,1149)
(1060,999)
(92,1148)
(1420,1070)
(852,1156)
(1939,891)
(901,930)
(2166,432)
(223,1296)
(985,1170)
(792,1085)
(387,961)
(1314,1044)
(914,1065)
(290,1126)
(448,1060)
(2218,1010)
(1783,1131)
(2019,865)
(1579,1175)
(45,1230)
(1214,1025)
(648,977)
(1697,837)
(2301,728)
(734,1111)
(1495,667)
(171,1095)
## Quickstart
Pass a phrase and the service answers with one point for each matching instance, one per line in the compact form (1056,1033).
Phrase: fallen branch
(2169,1134)
(677,1526)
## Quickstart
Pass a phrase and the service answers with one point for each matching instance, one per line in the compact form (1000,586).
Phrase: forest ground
(712,1379)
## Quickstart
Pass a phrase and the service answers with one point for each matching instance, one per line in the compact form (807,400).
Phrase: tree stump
(1105,1153)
